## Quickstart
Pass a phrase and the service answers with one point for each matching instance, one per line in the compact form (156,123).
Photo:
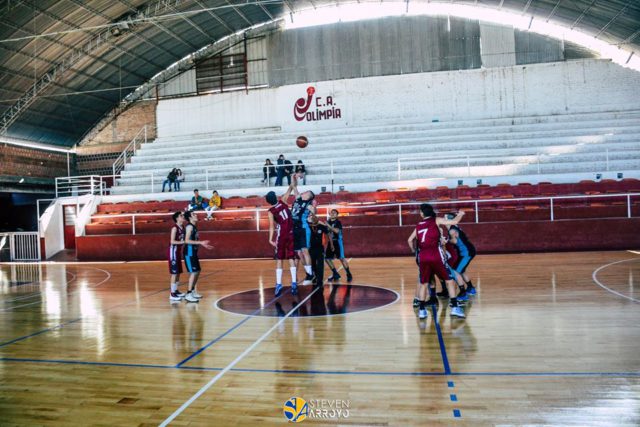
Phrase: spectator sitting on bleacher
(268,172)
(214,204)
(179,180)
(171,179)
(198,202)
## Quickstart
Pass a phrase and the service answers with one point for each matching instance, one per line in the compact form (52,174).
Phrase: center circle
(328,301)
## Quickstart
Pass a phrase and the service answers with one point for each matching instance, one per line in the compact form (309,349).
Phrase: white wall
(540,89)
(52,229)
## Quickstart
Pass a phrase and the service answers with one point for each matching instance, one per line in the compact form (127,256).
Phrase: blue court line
(227,332)
(453,397)
(443,350)
(61,325)
(322,372)
(81,362)
(456,413)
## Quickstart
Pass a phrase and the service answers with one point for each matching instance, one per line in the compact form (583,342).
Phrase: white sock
(308,269)
(279,276)
(294,274)
(174,287)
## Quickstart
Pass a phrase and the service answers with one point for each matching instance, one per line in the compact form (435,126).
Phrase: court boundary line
(69,322)
(323,372)
(61,325)
(443,349)
(594,276)
(227,332)
(39,292)
(242,355)
(71,293)
(445,359)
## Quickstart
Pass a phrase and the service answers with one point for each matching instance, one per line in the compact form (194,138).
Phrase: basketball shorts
(175,266)
(463,263)
(192,262)
(433,266)
(175,262)
(337,252)
(300,240)
(285,247)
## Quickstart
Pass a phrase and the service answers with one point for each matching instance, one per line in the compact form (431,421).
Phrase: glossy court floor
(550,339)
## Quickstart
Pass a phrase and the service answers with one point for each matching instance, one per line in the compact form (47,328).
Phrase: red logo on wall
(325,108)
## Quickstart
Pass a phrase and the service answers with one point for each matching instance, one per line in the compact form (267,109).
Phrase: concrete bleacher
(366,157)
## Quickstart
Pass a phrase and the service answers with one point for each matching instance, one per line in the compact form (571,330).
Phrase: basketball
(302,141)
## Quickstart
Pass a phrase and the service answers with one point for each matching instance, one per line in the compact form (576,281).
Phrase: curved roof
(89,54)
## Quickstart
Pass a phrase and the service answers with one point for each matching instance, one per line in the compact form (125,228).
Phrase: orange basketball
(302,141)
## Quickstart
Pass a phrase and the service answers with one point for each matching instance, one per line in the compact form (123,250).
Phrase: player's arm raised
(454,221)
(292,186)
(411,241)
(272,228)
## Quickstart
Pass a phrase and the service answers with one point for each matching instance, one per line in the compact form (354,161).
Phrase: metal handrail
(78,185)
(400,205)
(538,155)
(120,162)
(251,166)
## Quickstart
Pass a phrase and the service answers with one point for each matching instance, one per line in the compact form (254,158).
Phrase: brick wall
(96,154)
(125,127)
(29,162)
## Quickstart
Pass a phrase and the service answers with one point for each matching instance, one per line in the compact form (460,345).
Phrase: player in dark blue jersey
(335,249)
(301,230)
(191,260)
(466,253)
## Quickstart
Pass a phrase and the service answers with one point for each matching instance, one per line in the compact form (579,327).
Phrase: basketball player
(191,254)
(175,255)
(317,230)
(336,248)
(301,230)
(431,260)
(281,224)
(452,259)
(466,252)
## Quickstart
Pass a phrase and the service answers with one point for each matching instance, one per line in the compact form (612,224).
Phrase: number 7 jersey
(428,235)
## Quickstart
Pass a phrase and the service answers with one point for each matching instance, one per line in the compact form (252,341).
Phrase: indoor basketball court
(550,339)
(335,213)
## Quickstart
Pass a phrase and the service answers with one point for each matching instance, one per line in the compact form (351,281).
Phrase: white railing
(72,186)
(23,246)
(109,181)
(473,161)
(250,166)
(473,165)
(130,150)
(402,207)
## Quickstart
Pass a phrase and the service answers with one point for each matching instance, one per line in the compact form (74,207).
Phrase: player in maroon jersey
(281,237)
(430,257)
(175,255)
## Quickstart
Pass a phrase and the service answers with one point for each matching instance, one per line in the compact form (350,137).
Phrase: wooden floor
(545,342)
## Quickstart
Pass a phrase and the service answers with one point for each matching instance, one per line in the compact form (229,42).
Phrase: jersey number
(424,234)
(284,215)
